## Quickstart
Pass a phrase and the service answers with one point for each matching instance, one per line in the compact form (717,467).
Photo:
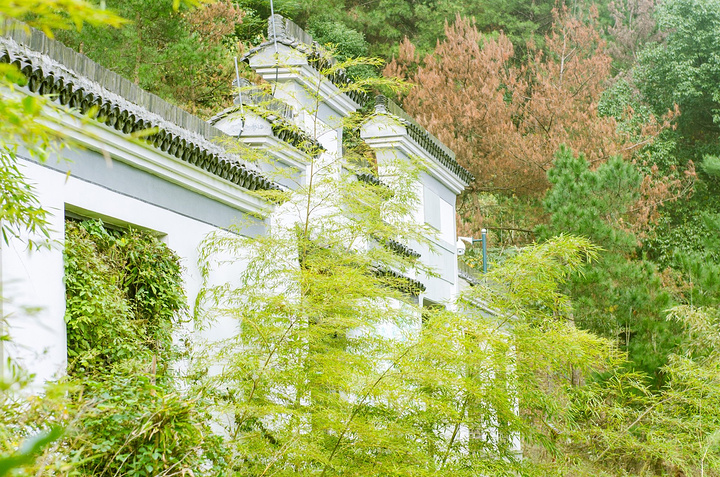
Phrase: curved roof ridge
(426,140)
(288,33)
(58,74)
(282,128)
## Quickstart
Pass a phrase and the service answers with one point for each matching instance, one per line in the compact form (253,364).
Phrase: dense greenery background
(610,114)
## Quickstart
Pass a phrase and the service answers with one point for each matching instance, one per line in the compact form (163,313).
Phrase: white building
(182,185)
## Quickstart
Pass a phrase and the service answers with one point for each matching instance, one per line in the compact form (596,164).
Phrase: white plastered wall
(435,188)
(33,280)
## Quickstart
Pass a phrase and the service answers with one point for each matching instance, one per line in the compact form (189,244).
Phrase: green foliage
(711,166)
(624,102)
(684,69)
(20,211)
(592,203)
(48,15)
(618,426)
(536,297)
(385,23)
(30,449)
(345,43)
(163,53)
(124,292)
(32,428)
(128,425)
(622,297)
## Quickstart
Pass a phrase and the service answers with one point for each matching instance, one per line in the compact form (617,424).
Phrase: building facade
(182,183)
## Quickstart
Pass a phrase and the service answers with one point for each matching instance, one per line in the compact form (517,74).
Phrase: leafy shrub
(124,295)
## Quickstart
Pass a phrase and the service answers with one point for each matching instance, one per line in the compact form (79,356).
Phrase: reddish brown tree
(460,97)
(214,21)
(506,121)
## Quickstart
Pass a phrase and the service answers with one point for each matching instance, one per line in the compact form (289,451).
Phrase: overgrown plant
(336,370)
(123,407)
(124,300)
(333,372)
(617,426)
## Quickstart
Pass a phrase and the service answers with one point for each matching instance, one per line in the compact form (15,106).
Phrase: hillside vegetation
(599,120)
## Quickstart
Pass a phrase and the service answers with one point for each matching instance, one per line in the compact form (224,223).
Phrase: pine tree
(622,297)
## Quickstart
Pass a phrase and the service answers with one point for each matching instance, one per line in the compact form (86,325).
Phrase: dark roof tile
(79,83)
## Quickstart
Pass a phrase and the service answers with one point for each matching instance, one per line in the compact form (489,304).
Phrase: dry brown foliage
(214,21)
(657,189)
(505,120)
(634,27)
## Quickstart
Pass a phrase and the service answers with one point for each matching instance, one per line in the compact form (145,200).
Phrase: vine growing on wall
(124,290)
(124,296)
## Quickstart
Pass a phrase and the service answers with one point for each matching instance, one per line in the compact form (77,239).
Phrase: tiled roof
(75,81)
(371,179)
(400,282)
(423,138)
(399,248)
(288,33)
(276,112)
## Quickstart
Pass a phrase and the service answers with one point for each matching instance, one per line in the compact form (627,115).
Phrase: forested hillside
(630,88)
(593,119)
(612,131)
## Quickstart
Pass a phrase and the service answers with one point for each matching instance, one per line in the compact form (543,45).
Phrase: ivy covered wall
(124,296)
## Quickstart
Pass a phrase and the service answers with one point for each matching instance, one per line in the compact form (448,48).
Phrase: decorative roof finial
(276,27)
(381,102)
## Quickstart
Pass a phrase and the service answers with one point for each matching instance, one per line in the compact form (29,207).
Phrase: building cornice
(384,131)
(282,31)
(118,146)
(34,54)
(288,155)
(310,79)
(281,128)
(434,147)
